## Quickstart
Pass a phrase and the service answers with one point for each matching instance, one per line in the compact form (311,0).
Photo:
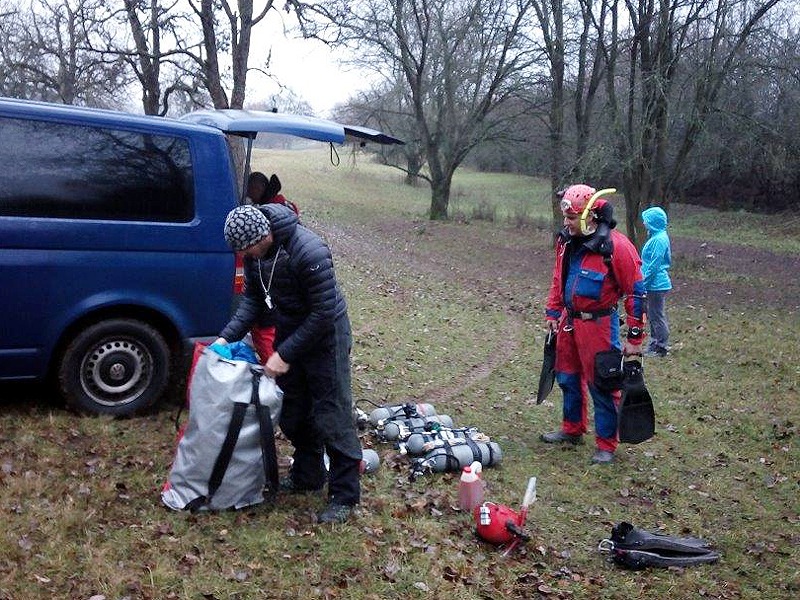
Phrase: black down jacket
(305,295)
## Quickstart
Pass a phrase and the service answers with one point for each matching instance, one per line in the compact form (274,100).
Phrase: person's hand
(275,365)
(220,341)
(552,325)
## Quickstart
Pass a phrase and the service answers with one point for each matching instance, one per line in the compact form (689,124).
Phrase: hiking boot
(602,457)
(288,485)
(560,437)
(335,513)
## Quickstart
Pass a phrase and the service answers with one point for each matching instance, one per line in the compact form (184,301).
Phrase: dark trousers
(317,417)
(657,316)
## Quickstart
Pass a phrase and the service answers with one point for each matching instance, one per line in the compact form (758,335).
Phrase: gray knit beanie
(245,226)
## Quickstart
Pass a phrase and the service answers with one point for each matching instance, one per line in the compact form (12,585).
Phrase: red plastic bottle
(470,488)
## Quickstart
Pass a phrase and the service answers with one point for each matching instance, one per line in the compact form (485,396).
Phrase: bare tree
(550,16)
(160,32)
(459,62)
(661,34)
(15,53)
(53,57)
(387,108)
(233,36)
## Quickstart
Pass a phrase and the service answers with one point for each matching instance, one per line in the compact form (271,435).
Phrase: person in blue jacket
(656,262)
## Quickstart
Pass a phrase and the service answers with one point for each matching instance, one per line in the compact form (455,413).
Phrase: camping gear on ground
(470,487)
(548,375)
(636,548)
(400,411)
(608,370)
(454,458)
(419,443)
(361,418)
(370,461)
(500,525)
(636,415)
(401,429)
(226,455)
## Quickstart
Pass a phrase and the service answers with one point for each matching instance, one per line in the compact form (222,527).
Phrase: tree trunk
(440,198)
(211,72)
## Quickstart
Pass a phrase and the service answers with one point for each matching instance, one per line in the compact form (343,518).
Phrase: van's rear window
(83,172)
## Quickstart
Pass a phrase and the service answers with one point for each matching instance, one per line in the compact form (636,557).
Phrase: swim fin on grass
(636,548)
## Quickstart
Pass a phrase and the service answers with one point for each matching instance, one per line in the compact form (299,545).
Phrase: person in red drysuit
(595,267)
(261,190)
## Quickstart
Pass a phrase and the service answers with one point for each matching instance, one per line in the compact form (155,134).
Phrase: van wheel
(115,367)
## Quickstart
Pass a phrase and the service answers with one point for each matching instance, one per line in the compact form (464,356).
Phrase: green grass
(448,313)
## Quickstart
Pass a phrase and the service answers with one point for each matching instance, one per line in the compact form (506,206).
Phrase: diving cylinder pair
(455,458)
(400,411)
(420,443)
(393,430)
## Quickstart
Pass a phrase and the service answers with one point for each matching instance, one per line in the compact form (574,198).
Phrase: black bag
(608,372)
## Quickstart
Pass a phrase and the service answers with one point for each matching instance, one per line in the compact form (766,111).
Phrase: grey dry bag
(226,457)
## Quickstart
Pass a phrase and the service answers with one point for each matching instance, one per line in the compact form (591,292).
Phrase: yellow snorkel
(588,208)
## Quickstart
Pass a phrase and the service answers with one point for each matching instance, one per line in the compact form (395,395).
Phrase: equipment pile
(432,441)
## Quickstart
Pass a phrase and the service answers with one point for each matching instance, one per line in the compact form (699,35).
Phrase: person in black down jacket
(290,281)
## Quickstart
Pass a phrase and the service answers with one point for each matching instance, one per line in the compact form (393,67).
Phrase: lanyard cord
(268,287)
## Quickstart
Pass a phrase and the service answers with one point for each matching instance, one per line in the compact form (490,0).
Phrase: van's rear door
(248,123)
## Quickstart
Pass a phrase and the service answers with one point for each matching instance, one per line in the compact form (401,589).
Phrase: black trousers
(317,417)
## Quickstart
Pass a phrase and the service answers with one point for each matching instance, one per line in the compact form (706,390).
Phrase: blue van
(112,259)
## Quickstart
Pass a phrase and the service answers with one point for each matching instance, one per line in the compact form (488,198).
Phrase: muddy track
(511,269)
(727,275)
(371,250)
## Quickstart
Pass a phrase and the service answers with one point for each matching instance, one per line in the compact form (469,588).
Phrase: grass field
(451,313)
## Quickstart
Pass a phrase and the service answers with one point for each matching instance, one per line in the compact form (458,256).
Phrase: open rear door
(248,123)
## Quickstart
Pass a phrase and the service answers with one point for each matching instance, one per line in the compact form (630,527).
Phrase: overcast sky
(307,67)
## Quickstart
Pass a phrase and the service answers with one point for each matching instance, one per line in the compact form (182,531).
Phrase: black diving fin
(636,415)
(548,375)
(636,548)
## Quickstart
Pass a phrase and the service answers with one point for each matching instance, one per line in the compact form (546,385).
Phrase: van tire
(115,367)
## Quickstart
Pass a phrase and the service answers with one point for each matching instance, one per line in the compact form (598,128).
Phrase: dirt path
(728,274)
(510,268)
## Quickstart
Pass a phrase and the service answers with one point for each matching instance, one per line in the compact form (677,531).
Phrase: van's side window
(73,171)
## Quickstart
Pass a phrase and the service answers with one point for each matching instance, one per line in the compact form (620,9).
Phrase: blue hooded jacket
(656,253)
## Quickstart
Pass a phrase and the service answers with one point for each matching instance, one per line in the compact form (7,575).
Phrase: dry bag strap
(226,452)
(269,454)
(223,458)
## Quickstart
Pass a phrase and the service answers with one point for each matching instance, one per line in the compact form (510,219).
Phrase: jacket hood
(655,219)
(282,221)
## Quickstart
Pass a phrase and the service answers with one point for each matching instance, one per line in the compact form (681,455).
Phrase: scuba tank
(454,458)
(399,411)
(419,443)
(370,461)
(402,428)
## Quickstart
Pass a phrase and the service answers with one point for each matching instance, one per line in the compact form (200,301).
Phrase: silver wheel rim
(116,371)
